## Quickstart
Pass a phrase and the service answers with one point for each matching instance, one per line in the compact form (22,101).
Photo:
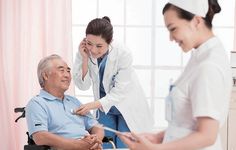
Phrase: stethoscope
(73,112)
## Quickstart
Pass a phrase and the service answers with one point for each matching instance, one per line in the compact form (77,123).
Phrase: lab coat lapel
(94,67)
(108,72)
(94,72)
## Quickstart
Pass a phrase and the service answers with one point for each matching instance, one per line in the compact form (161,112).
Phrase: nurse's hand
(154,137)
(83,50)
(140,142)
(85,108)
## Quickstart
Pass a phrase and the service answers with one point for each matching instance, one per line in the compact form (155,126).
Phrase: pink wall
(29,30)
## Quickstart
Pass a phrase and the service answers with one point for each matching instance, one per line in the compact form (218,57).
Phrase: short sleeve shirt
(45,112)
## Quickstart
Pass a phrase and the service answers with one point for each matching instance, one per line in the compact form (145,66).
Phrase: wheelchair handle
(19,109)
(22,110)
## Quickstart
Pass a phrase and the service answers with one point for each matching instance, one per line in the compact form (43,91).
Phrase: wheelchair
(31,144)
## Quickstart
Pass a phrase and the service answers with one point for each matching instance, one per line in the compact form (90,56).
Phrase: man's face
(58,76)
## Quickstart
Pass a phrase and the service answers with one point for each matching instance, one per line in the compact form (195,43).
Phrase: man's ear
(45,76)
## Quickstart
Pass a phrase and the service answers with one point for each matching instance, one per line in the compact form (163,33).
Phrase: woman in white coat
(198,102)
(107,66)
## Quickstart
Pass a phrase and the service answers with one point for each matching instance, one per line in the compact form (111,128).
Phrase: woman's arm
(204,136)
(154,137)
(80,73)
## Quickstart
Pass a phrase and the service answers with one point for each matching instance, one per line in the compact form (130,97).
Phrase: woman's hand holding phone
(85,57)
(83,50)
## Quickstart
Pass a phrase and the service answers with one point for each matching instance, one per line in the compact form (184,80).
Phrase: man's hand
(93,142)
(88,142)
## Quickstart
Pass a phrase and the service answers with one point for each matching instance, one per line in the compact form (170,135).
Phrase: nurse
(118,95)
(198,103)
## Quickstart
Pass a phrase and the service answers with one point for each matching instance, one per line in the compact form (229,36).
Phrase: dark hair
(102,27)
(214,8)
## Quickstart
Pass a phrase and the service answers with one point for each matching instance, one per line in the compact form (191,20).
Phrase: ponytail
(214,8)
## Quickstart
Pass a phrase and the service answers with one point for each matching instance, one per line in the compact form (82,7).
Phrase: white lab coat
(121,85)
(202,90)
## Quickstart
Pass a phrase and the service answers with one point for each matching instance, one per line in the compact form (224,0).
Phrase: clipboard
(116,132)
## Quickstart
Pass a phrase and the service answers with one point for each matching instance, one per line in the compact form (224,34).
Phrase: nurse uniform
(203,90)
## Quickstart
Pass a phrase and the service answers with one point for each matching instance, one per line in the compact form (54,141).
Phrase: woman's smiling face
(96,45)
(181,31)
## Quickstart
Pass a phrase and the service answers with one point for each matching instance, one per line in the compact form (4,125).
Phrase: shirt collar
(205,47)
(49,96)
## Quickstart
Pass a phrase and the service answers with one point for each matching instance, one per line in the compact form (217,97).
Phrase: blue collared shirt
(46,112)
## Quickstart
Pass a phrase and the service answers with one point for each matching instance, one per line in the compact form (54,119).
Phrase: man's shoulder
(36,98)
(35,102)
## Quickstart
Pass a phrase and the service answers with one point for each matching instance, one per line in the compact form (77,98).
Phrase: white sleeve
(77,74)
(122,82)
(208,94)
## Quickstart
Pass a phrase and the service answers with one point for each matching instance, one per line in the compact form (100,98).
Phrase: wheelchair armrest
(107,139)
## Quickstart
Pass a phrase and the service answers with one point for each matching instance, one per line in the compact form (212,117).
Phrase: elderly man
(50,117)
